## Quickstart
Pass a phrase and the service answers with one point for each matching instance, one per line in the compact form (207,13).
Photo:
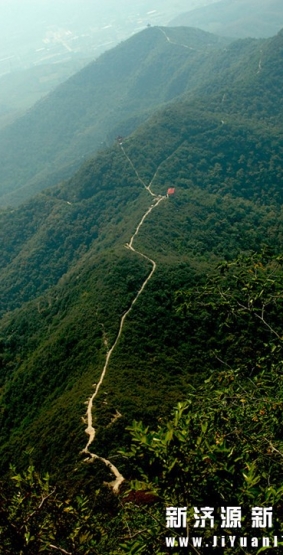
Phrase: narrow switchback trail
(90,430)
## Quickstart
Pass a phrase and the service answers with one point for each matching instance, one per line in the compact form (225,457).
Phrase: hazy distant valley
(58,32)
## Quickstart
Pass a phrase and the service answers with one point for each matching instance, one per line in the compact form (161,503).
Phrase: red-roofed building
(171,191)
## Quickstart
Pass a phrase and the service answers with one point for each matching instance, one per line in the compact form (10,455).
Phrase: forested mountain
(111,96)
(114,94)
(153,276)
(236,18)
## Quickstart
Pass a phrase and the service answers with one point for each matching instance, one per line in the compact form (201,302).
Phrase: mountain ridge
(161,66)
(236,18)
(108,95)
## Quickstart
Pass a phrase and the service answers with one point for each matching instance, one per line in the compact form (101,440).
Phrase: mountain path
(90,430)
(177,43)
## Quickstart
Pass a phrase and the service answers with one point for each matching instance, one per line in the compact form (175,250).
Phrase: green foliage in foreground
(37,516)
(222,446)
(35,519)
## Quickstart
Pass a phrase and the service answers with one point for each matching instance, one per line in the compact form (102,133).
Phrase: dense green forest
(188,289)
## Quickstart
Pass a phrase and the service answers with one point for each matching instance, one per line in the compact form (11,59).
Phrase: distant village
(60,44)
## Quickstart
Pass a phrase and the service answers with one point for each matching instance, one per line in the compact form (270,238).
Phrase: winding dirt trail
(147,187)
(90,430)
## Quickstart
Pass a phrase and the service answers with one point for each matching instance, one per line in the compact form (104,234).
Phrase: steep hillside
(236,18)
(44,238)
(65,255)
(252,90)
(108,98)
